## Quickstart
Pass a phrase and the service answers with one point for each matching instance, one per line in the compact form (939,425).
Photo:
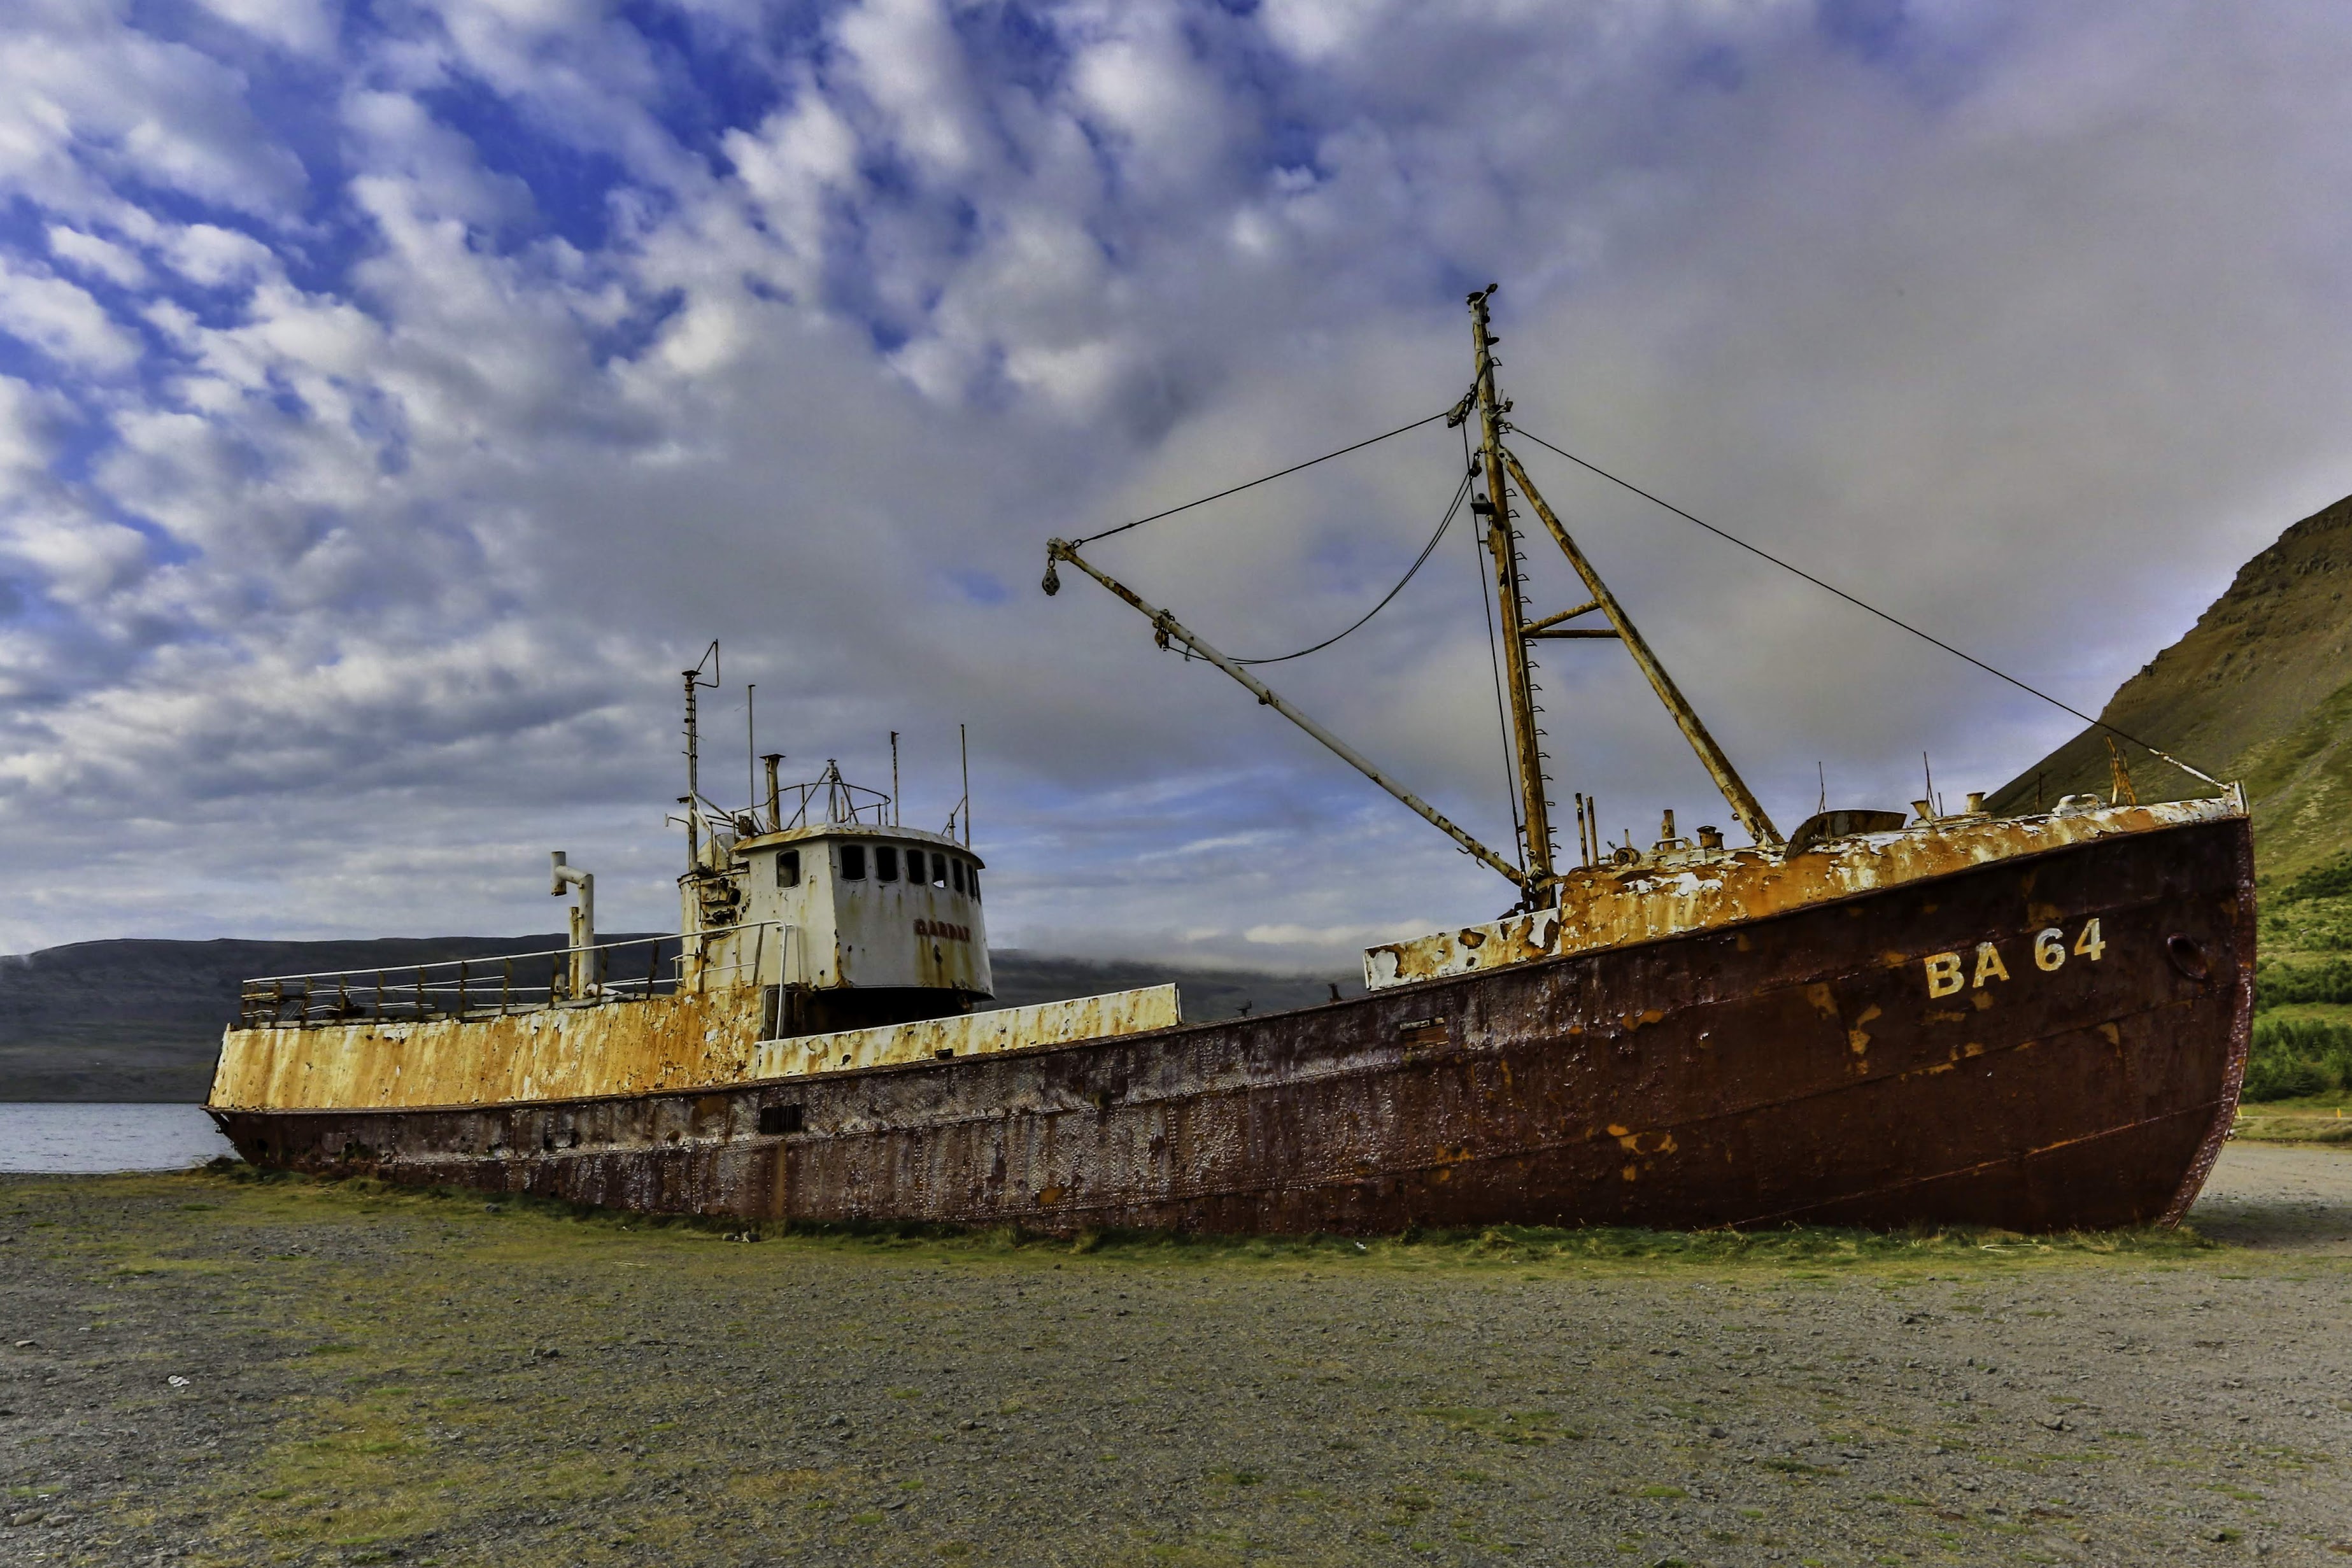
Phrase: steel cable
(1860,604)
(1452,509)
(1266,478)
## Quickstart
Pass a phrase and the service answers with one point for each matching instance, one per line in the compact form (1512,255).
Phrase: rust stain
(972,1034)
(1677,892)
(688,1040)
(577,1051)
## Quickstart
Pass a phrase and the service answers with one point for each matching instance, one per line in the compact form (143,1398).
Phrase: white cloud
(799,159)
(62,320)
(304,27)
(82,558)
(87,101)
(28,422)
(216,257)
(96,255)
(442,170)
(906,57)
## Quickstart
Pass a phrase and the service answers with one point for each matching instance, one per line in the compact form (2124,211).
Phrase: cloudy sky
(394,397)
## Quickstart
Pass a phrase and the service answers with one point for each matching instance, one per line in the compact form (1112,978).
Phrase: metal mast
(1538,878)
(1502,545)
(693,800)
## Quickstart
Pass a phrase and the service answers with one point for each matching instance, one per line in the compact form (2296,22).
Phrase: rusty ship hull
(1812,1066)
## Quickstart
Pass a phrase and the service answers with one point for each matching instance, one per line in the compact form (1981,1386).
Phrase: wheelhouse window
(939,869)
(975,884)
(955,871)
(915,866)
(788,868)
(886,864)
(853,862)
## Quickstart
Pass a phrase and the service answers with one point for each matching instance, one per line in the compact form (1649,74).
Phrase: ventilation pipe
(582,942)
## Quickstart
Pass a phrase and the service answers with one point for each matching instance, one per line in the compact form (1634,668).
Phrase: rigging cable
(1443,523)
(1883,615)
(1262,479)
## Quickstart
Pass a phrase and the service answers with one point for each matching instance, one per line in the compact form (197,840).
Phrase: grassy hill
(2259,691)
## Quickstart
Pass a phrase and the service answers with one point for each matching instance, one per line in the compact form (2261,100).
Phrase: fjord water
(86,1139)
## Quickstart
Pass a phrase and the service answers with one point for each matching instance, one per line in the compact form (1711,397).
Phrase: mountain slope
(2259,690)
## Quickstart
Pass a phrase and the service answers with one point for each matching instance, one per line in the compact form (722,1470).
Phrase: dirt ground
(206,1370)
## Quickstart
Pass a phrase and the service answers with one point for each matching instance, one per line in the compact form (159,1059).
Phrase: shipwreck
(1880,1018)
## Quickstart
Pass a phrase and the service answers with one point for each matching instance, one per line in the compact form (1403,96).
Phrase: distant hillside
(2259,690)
(143,1019)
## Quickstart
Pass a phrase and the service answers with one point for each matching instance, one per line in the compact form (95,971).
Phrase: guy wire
(1266,478)
(1443,524)
(1859,604)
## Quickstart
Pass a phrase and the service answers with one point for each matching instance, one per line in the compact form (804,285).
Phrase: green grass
(2321,1120)
(2301,1048)
(1819,1248)
(2298,1058)
(1535,1252)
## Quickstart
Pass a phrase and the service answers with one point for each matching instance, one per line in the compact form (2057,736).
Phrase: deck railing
(489,987)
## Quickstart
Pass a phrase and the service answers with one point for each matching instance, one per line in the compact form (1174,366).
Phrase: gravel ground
(201,1369)
(2279,1198)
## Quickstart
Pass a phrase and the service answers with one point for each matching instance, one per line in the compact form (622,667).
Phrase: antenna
(694,752)
(964,809)
(1822,773)
(894,778)
(750,744)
